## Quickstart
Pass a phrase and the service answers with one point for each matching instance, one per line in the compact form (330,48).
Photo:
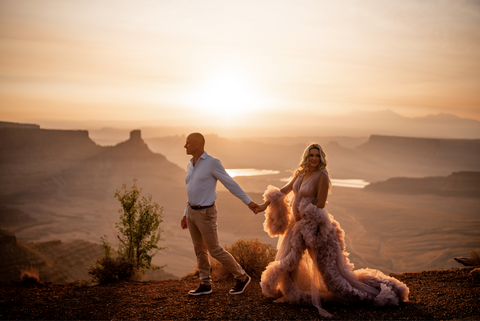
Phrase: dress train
(312,264)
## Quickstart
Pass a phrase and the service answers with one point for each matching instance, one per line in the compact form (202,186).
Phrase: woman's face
(313,158)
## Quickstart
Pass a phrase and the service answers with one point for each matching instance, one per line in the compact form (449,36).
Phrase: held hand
(184,223)
(261,208)
(253,206)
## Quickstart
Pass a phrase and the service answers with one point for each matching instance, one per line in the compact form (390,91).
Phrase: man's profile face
(191,145)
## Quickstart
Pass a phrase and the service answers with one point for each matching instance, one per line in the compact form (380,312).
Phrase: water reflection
(250,172)
(352,183)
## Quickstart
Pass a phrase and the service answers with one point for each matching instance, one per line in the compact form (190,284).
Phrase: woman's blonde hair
(322,166)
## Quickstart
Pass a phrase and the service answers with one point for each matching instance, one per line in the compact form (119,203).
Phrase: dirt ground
(446,295)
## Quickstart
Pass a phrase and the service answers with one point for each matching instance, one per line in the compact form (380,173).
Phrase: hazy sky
(235,62)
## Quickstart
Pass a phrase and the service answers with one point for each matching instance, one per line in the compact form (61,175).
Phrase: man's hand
(184,223)
(253,207)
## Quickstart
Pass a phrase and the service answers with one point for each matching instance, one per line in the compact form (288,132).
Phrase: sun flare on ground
(227,95)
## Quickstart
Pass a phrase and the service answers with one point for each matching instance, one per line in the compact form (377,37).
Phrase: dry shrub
(252,255)
(475,257)
(110,269)
(83,283)
(30,275)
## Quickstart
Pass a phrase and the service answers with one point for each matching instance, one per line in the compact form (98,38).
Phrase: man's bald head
(197,138)
(195,145)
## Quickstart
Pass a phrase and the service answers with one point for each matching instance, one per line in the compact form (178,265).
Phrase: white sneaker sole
(249,279)
(200,293)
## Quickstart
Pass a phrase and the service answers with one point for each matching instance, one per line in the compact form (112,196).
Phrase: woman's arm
(322,190)
(285,190)
(289,186)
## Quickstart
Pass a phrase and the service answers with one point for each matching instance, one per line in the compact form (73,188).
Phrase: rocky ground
(434,295)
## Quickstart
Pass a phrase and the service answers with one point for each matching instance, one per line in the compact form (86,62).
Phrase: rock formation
(38,163)
(460,184)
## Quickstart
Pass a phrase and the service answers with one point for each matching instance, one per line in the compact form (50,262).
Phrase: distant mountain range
(69,162)
(352,124)
(377,159)
(389,123)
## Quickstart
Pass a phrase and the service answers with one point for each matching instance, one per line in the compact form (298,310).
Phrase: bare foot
(280,300)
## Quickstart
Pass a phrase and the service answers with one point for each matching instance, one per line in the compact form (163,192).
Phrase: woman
(312,264)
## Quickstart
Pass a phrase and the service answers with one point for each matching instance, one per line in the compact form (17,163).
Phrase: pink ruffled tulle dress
(311,264)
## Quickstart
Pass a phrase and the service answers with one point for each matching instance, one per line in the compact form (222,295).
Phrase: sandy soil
(434,295)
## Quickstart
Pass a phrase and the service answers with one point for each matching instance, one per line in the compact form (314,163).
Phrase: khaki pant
(202,225)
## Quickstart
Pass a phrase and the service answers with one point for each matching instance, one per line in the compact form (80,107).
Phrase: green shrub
(252,255)
(139,234)
(139,227)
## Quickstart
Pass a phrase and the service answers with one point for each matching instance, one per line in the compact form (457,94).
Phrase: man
(200,215)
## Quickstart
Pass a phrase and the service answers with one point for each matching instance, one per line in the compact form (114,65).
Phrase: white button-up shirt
(202,179)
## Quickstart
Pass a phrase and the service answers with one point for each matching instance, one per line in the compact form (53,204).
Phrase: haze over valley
(59,185)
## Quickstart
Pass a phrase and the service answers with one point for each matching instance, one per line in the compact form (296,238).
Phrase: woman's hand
(261,208)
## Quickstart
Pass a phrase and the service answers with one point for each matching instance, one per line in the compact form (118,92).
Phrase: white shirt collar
(203,156)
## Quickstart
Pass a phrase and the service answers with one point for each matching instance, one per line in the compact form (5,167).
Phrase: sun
(227,94)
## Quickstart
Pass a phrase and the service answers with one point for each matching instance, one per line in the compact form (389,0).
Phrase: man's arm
(221,174)
(183,222)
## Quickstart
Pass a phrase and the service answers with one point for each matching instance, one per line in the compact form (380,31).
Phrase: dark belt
(198,207)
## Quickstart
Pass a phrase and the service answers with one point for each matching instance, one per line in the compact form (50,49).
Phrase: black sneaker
(240,286)
(202,289)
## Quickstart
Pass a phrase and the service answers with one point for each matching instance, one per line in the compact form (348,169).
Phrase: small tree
(140,219)
(139,234)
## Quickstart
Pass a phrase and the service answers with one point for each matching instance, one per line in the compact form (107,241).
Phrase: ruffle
(277,216)
(322,235)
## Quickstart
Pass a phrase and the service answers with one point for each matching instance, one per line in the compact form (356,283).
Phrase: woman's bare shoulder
(323,177)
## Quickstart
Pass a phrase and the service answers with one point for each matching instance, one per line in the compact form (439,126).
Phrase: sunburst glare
(227,94)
